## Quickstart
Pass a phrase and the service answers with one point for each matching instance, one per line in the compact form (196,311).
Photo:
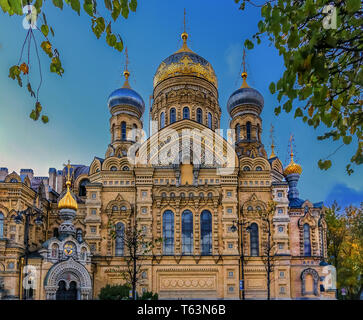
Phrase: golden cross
(68,169)
(184,19)
(244,60)
(127,59)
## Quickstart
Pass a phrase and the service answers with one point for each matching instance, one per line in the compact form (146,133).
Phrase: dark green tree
(323,60)
(115,292)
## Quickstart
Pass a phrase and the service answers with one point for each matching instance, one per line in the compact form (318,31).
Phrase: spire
(126,71)
(68,202)
(273,155)
(244,73)
(184,36)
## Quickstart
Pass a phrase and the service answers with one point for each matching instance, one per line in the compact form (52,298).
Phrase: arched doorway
(67,294)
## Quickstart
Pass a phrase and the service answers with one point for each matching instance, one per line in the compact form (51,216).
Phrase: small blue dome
(126,96)
(245,96)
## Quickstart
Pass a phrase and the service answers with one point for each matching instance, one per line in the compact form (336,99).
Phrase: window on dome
(199,115)
(186,113)
(238,132)
(162,120)
(172,115)
(248,130)
(210,120)
(123,130)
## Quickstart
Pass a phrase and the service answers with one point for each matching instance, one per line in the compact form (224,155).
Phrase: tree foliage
(345,247)
(36,21)
(323,75)
(115,292)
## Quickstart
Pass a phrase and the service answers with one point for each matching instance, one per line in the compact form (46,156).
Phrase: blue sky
(77,103)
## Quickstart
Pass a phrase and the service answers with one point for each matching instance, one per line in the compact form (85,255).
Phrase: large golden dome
(292,167)
(185,62)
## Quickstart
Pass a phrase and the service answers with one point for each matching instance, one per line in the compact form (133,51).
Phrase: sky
(76,103)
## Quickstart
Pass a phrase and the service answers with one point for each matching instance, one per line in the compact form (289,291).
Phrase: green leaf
(353,5)
(324,165)
(248,44)
(38,4)
(272,88)
(116,9)
(133,5)
(45,30)
(88,7)
(287,106)
(298,113)
(111,40)
(119,46)
(277,110)
(45,119)
(58,4)
(99,28)
(347,139)
(16,5)
(33,115)
(4,4)
(76,6)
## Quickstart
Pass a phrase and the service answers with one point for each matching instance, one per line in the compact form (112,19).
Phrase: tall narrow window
(187,232)
(162,120)
(172,115)
(210,120)
(258,132)
(206,232)
(186,113)
(1,225)
(79,235)
(199,115)
(248,130)
(307,244)
(55,232)
(123,130)
(254,240)
(119,241)
(134,131)
(238,132)
(168,232)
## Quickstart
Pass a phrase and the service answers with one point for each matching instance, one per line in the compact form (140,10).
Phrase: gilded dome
(68,202)
(292,167)
(185,62)
(245,96)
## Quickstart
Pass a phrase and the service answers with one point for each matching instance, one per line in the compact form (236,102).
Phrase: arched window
(201,195)
(307,244)
(199,115)
(125,168)
(238,132)
(1,225)
(163,195)
(182,195)
(187,232)
(13,180)
(134,131)
(172,195)
(172,115)
(246,168)
(168,232)
(119,241)
(55,249)
(55,232)
(113,168)
(249,208)
(114,208)
(210,195)
(258,168)
(210,120)
(248,130)
(123,208)
(191,195)
(82,187)
(79,235)
(206,232)
(83,254)
(254,247)
(186,113)
(123,130)
(162,120)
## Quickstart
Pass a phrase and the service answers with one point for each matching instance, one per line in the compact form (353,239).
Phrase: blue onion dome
(185,62)
(245,96)
(126,96)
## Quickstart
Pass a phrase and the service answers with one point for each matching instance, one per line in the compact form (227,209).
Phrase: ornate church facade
(55,239)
